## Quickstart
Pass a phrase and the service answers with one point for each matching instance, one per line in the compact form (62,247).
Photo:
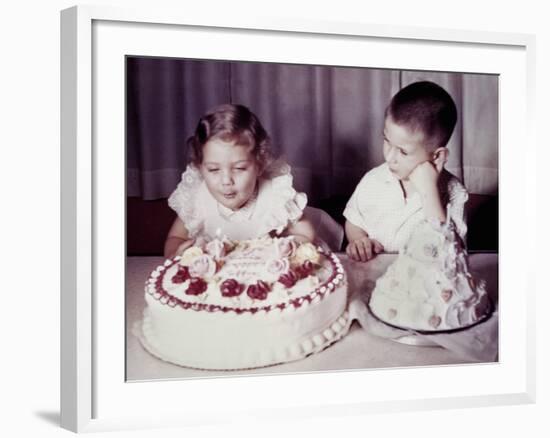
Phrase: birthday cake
(429,286)
(236,305)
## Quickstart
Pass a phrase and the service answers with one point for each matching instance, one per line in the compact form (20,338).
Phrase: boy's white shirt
(379,207)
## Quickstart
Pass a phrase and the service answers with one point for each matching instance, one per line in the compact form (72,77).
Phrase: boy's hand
(424,177)
(363,249)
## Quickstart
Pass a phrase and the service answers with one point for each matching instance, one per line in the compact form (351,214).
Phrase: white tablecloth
(359,349)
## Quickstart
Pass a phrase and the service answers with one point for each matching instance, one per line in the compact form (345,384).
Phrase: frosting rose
(216,249)
(277,267)
(258,291)
(231,288)
(202,266)
(305,269)
(285,247)
(181,275)
(196,286)
(289,279)
(189,255)
(307,251)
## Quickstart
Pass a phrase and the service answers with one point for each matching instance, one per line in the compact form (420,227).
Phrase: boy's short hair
(426,107)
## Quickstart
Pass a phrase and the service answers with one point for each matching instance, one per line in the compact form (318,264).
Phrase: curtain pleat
(165,99)
(326,122)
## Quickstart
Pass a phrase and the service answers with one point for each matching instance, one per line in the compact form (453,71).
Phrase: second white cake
(429,286)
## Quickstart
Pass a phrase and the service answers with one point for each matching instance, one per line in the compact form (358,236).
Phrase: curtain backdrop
(325,121)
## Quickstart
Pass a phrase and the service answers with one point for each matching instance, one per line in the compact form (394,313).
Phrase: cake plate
(420,338)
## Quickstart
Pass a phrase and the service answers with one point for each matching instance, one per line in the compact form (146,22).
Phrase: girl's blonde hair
(231,123)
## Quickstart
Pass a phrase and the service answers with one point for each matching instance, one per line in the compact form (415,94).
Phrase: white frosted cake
(244,305)
(429,286)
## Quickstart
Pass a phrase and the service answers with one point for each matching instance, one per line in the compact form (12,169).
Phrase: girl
(233,187)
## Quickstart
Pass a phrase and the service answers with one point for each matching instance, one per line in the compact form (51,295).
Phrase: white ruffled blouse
(275,207)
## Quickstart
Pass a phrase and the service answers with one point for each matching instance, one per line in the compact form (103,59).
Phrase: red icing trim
(167,299)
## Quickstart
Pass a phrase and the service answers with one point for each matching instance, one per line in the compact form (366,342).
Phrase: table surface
(358,350)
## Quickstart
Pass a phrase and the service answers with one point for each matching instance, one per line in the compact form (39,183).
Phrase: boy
(391,199)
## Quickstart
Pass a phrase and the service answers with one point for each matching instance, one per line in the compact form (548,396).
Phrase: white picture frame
(93,395)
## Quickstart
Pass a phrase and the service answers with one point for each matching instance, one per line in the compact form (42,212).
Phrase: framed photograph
(134,87)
